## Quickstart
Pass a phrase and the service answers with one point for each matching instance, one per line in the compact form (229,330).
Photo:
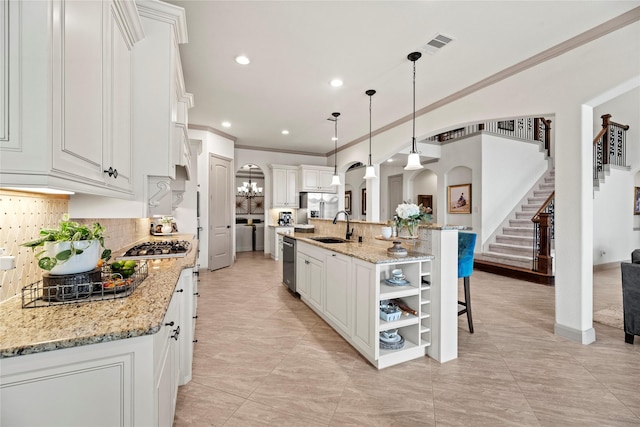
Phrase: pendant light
(370,172)
(413,162)
(335,181)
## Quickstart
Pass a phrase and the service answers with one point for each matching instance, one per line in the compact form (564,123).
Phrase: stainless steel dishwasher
(289,263)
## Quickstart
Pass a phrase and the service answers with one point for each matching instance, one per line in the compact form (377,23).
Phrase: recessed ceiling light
(242,60)
(333,138)
(285,132)
(226,124)
(336,82)
(390,160)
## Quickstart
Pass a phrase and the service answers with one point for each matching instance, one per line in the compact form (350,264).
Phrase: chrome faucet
(349,229)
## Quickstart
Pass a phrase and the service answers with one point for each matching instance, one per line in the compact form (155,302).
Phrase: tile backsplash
(24,214)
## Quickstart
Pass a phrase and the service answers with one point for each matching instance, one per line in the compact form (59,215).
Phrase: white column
(574,225)
(444,296)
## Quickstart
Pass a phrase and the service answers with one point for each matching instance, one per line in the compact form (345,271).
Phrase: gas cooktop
(159,249)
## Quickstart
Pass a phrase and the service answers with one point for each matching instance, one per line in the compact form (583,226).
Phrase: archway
(249,208)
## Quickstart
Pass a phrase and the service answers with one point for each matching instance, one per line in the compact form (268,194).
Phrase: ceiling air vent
(437,43)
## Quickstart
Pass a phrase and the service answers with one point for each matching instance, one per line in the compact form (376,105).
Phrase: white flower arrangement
(410,215)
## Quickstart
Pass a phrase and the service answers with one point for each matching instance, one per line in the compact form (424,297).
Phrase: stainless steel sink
(330,240)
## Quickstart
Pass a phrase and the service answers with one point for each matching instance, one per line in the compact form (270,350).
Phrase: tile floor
(264,358)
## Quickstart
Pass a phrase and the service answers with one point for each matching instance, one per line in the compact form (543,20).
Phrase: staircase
(512,253)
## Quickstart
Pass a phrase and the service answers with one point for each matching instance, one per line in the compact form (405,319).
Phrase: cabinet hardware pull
(180,290)
(176,333)
(195,317)
(195,340)
(169,324)
(111,172)
(197,294)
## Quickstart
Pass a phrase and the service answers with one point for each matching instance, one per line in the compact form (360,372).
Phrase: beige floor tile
(264,358)
(204,406)
(255,414)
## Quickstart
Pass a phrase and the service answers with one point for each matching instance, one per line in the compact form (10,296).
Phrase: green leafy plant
(67,231)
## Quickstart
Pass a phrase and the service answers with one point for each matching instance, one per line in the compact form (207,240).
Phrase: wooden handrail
(599,135)
(536,216)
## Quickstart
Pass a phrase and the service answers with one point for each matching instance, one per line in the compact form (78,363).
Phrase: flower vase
(409,231)
(166,228)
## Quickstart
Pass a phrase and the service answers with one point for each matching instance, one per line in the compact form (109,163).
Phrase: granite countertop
(34,330)
(370,252)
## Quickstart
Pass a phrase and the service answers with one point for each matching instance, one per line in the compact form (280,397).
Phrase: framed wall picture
(459,200)
(636,201)
(347,201)
(425,200)
(363,201)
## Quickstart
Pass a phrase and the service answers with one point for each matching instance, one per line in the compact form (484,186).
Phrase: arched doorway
(249,208)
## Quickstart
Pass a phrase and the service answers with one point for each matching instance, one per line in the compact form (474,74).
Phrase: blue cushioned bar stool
(466,245)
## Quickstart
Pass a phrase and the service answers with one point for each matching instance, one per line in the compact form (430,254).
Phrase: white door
(395,194)
(220,248)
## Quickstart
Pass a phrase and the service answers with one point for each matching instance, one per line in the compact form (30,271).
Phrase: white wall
(426,183)
(617,231)
(525,166)
(613,238)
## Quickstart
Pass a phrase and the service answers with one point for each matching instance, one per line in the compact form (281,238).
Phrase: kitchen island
(347,283)
(119,361)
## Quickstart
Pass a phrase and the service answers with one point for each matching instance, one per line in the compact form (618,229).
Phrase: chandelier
(250,189)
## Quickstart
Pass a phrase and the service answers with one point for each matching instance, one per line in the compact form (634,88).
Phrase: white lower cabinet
(126,382)
(276,241)
(351,291)
(337,291)
(168,366)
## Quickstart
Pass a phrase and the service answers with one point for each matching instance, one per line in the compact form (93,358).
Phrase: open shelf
(403,321)
(408,345)
(390,292)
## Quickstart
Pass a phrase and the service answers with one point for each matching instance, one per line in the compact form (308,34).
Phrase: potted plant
(167,224)
(70,248)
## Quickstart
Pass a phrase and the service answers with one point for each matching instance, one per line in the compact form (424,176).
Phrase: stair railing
(543,234)
(527,128)
(542,128)
(609,146)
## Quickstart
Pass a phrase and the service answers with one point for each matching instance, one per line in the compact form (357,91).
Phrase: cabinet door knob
(180,290)
(111,172)
(169,324)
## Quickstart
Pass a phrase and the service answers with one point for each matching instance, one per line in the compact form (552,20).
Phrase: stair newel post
(545,263)
(543,135)
(547,136)
(605,138)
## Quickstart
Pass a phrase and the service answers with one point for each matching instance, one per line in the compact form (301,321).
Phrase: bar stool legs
(466,303)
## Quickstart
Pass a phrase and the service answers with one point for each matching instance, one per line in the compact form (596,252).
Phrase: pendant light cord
(413,138)
(370,96)
(335,153)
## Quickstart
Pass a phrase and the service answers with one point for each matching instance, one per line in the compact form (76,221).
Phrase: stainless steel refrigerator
(317,205)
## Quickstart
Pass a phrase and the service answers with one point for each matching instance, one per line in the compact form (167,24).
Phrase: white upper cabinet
(160,101)
(69,71)
(284,186)
(316,179)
